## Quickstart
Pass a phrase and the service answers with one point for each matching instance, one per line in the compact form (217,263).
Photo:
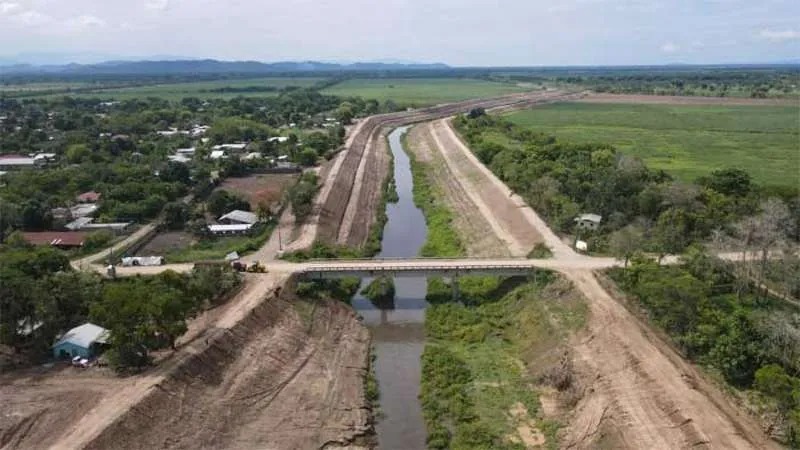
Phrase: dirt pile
(290,375)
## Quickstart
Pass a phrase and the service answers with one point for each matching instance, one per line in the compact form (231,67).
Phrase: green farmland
(421,91)
(202,89)
(685,141)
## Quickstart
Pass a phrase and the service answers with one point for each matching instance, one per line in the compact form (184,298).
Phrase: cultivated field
(202,89)
(687,141)
(421,91)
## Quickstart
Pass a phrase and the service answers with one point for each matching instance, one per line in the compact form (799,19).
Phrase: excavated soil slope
(290,375)
(335,204)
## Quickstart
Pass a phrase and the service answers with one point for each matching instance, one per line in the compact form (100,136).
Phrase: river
(398,332)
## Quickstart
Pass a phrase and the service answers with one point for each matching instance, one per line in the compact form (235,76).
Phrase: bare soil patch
(290,375)
(261,188)
(684,100)
(40,404)
(640,395)
(166,242)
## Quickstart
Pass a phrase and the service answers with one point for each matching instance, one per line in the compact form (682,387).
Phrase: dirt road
(637,392)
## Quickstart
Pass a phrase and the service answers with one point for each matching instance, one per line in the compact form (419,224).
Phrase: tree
(98,239)
(36,216)
(175,215)
(308,157)
(734,182)
(222,201)
(176,172)
(344,114)
(9,218)
(626,241)
(671,232)
(773,381)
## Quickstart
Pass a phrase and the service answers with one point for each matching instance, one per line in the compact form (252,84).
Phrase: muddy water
(398,329)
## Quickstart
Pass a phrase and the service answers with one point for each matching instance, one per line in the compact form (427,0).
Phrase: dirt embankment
(290,375)
(335,200)
(475,231)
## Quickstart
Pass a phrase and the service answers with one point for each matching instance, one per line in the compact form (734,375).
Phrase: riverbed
(398,332)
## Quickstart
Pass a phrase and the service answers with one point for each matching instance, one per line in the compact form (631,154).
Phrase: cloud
(9,8)
(31,18)
(157,5)
(779,36)
(669,47)
(85,21)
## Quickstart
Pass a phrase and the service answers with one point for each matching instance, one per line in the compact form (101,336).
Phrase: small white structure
(218,154)
(581,246)
(589,221)
(186,151)
(219,230)
(239,217)
(78,223)
(130,261)
(252,156)
(278,139)
(83,210)
(232,256)
(179,158)
(232,147)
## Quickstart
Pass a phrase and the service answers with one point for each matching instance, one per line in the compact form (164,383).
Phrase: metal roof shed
(81,341)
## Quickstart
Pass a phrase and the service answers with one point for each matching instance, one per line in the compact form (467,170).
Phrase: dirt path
(687,100)
(475,230)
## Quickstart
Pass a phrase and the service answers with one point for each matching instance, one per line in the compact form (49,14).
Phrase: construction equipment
(256,267)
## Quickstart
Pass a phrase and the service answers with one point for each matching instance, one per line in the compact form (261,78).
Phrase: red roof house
(62,239)
(89,197)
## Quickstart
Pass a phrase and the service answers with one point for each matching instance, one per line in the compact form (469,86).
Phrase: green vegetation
(417,92)
(472,376)
(686,141)
(301,195)
(342,289)
(646,209)
(216,89)
(209,248)
(442,240)
(380,290)
(42,297)
(729,325)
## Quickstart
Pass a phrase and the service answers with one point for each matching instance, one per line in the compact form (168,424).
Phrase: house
(89,197)
(85,223)
(589,221)
(183,159)
(220,230)
(16,162)
(61,239)
(83,210)
(239,217)
(85,341)
(186,151)
(217,154)
(251,156)
(278,139)
(231,147)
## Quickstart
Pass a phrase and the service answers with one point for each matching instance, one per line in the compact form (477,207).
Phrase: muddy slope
(290,375)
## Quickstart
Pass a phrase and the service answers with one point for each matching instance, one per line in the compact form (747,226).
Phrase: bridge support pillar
(454,286)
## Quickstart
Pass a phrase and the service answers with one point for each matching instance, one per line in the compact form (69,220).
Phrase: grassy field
(201,89)
(685,141)
(421,91)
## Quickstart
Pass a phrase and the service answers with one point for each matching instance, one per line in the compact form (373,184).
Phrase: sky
(456,32)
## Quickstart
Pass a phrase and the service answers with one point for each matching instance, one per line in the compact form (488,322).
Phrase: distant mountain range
(207,66)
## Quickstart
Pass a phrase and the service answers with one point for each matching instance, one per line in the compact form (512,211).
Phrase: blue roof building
(83,341)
